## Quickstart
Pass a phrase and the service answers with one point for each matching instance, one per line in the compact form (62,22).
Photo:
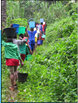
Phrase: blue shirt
(32,35)
(40,27)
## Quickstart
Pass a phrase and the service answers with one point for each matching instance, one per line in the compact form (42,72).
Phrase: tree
(3,12)
(22,8)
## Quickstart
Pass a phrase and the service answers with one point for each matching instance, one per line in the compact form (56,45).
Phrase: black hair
(32,29)
(41,23)
(21,35)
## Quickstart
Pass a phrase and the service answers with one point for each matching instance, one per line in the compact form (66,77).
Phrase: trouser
(32,45)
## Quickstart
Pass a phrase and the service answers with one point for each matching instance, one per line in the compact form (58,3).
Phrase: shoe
(11,88)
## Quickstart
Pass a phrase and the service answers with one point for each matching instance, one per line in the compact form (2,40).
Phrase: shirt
(11,50)
(18,42)
(26,38)
(32,35)
(22,48)
(38,31)
(40,27)
(43,28)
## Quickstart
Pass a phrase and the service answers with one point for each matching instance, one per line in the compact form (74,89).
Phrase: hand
(22,64)
(30,51)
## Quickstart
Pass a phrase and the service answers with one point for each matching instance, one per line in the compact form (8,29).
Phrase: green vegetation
(52,72)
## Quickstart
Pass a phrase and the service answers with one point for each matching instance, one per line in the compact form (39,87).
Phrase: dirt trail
(11,94)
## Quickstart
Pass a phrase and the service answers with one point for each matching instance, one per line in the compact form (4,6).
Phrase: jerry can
(32,24)
(16,26)
(21,30)
(41,20)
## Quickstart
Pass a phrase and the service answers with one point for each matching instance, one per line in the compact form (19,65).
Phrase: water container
(35,39)
(39,42)
(21,30)
(22,77)
(10,32)
(16,26)
(43,36)
(32,24)
(41,20)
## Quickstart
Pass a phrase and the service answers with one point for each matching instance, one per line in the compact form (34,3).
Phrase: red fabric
(27,39)
(37,25)
(22,56)
(42,39)
(12,62)
(43,26)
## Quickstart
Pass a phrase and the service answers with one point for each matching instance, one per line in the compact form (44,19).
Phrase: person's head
(41,23)
(32,29)
(21,36)
(36,23)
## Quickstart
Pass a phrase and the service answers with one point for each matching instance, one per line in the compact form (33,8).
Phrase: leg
(15,73)
(33,47)
(36,45)
(12,75)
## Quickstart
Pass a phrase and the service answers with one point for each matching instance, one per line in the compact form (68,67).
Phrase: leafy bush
(20,21)
(61,29)
(52,72)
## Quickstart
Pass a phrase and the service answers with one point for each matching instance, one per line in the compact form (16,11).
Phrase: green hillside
(52,72)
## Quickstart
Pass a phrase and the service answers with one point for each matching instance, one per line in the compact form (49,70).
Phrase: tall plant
(12,11)
(3,13)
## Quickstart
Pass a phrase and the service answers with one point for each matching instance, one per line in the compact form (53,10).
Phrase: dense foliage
(52,72)
(38,9)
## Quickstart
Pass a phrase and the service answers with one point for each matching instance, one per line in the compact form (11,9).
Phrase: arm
(21,63)
(26,31)
(26,34)
(19,57)
(19,42)
(29,49)
(3,43)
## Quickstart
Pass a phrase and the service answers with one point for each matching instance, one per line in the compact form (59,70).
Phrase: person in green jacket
(12,57)
(23,48)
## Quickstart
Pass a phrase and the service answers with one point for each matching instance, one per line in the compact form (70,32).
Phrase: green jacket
(11,50)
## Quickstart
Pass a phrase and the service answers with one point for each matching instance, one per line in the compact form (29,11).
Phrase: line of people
(16,50)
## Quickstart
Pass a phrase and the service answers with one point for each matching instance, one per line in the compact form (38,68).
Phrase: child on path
(40,31)
(18,42)
(12,60)
(36,36)
(26,37)
(22,48)
(44,27)
(31,34)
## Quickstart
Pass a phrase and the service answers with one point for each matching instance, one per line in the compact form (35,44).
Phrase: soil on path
(11,95)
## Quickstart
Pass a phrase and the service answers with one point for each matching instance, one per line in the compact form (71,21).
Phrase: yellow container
(35,39)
